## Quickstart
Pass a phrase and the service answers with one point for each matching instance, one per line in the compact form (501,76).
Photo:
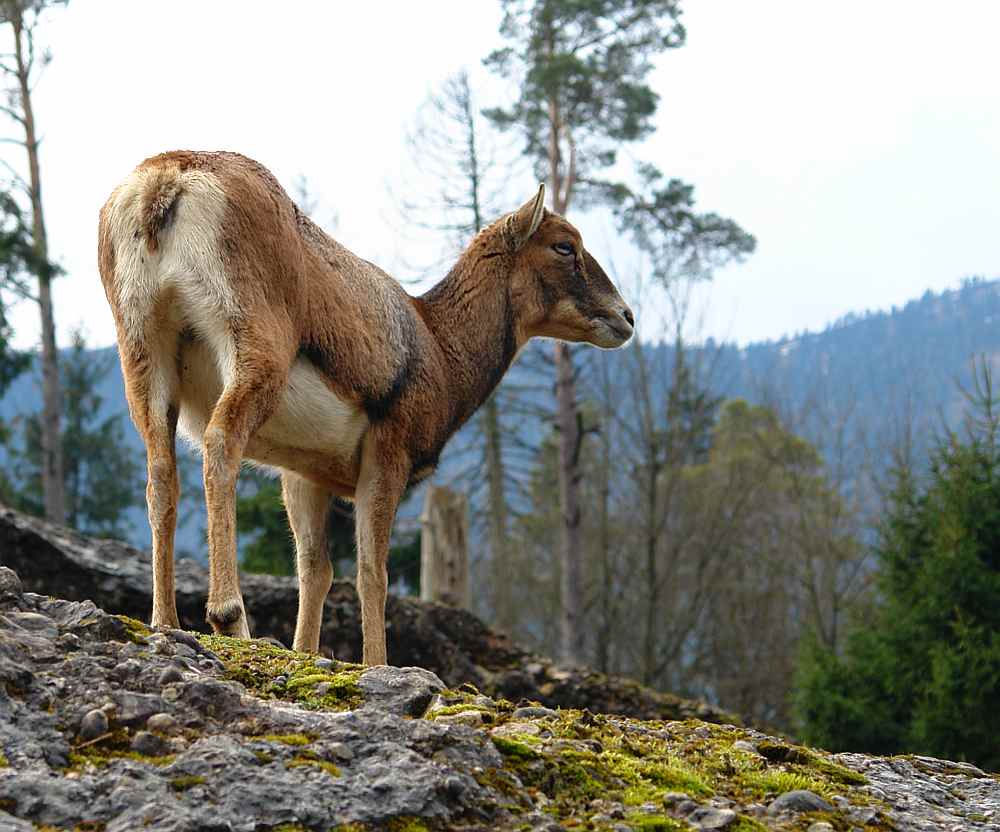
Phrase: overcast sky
(859,141)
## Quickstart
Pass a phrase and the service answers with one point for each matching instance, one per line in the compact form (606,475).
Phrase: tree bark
(567,418)
(444,548)
(499,550)
(52,456)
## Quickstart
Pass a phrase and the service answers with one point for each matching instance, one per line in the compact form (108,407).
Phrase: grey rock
(452,643)
(147,744)
(670,798)
(709,817)
(8,823)
(820,826)
(685,807)
(473,719)
(93,725)
(170,674)
(800,800)
(324,663)
(161,722)
(135,708)
(534,711)
(10,583)
(746,747)
(406,691)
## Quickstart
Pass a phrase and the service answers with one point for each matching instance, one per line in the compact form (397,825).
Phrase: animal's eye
(564,248)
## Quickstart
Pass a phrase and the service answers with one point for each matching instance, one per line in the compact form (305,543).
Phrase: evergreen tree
(924,674)
(102,478)
(16,254)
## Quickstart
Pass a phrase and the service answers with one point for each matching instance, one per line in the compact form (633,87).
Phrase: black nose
(627,315)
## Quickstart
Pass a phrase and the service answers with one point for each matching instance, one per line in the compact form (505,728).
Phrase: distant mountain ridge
(886,369)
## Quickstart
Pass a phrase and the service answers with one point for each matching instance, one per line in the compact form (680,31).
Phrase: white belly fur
(309,416)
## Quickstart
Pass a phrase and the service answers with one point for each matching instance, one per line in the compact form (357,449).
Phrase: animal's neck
(471,317)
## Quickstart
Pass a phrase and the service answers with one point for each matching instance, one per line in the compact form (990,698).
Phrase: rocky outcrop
(450,642)
(106,725)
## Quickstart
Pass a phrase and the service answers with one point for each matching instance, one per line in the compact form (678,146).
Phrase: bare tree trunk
(444,548)
(499,550)
(605,632)
(570,550)
(52,457)
(567,418)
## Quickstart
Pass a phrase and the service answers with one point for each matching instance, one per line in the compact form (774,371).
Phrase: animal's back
(196,246)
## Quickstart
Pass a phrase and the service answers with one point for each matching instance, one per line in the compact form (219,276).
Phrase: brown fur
(416,367)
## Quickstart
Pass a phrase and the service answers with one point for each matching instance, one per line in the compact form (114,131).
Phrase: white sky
(859,141)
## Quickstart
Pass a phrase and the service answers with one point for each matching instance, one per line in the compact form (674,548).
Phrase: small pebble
(709,818)
(746,747)
(534,711)
(161,722)
(324,664)
(147,744)
(340,750)
(820,826)
(685,807)
(169,674)
(68,641)
(9,581)
(170,694)
(322,689)
(799,800)
(93,725)
(471,718)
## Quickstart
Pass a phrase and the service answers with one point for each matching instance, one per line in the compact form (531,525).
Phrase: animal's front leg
(384,473)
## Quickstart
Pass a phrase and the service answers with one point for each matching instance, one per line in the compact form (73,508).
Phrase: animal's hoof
(228,619)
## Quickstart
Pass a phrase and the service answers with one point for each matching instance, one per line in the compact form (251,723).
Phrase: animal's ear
(525,220)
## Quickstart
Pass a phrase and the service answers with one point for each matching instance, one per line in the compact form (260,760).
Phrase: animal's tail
(158,202)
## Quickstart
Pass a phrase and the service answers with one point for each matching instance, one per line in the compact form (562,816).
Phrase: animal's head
(559,290)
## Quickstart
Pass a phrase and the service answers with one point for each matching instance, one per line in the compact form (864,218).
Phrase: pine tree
(101,476)
(923,675)
(581,70)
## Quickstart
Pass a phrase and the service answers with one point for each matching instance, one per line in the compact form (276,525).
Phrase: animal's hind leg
(151,387)
(308,505)
(260,368)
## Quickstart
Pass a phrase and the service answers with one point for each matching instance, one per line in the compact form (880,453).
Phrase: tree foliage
(923,674)
(102,478)
(580,70)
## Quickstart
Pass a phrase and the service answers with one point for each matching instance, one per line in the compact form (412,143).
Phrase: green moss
(806,758)
(654,823)
(580,756)
(290,827)
(135,630)
(275,673)
(407,824)
(115,746)
(513,748)
(772,783)
(263,757)
(187,781)
(302,760)
(4,762)
(461,707)
(746,824)
(286,739)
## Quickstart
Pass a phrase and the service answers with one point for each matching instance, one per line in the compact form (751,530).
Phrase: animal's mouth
(613,331)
